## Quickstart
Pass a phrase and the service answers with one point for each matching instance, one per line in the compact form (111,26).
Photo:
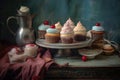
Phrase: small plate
(90,53)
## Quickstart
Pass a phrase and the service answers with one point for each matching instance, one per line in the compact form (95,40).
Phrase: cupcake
(79,32)
(30,50)
(66,34)
(71,23)
(52,35)
(58,26)
(42,29)
(97,32)
(108,49)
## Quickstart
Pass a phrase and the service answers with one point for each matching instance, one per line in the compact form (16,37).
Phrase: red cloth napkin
(31,69)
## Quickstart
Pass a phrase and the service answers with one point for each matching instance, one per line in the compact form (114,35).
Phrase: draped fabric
(31,69)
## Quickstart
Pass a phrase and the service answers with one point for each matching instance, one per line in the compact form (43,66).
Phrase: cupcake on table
(79,32)
(52,35)
(97,32)
(67,33)
(42,29)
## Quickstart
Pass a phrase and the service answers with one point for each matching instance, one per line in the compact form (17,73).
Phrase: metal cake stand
(64,49)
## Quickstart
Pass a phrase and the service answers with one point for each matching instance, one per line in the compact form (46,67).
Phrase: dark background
(107,12)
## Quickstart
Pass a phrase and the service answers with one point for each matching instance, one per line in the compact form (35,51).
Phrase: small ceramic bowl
(90,53)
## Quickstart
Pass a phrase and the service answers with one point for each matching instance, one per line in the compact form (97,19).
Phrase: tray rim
(41,42)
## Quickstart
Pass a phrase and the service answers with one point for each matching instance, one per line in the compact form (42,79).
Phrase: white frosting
(58,26)
(98,28)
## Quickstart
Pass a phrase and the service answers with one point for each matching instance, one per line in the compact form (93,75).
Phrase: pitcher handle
(11,17)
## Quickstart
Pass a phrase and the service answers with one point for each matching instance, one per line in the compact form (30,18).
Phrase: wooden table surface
(99,61)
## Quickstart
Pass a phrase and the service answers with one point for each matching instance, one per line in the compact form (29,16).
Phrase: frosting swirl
(79,28)
(58,26)
(71,23)
(66,29)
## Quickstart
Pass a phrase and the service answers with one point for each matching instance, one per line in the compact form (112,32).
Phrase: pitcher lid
(23,10)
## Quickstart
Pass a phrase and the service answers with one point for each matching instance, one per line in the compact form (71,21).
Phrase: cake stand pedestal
(64,50)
